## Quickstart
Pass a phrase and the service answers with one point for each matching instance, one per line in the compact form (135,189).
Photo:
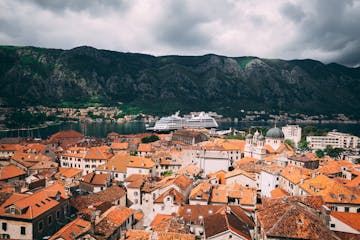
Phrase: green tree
(335,152)
(304,145)
(152,138)
(290,143)
(319,153)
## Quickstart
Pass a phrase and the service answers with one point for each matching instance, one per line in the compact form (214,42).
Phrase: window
(332,225)
(23,230)
(49,219)
(358,210)
(58,214)
(136,193)
(4,226)
(346,209)
(40,226)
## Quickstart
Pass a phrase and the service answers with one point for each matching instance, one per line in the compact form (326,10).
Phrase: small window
(347,209)
(40,226)
(23,230)
(332,225)
(49,220)
(4,226)
(58,214)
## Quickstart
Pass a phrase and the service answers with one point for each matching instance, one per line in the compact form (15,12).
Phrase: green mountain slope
(165,84)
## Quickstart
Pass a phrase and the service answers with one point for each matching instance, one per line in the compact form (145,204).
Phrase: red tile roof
(140,162)
(145,147)
(66,134)
(224,221)
(350,219)
(101,153)
(32,206)
(290,219)
(10,171)
(72,230)
(96,179)
(69,172)
(178,198)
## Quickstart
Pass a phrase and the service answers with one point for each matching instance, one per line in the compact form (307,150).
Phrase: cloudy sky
(327,30)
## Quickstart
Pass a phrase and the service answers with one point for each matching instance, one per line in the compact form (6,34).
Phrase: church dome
(249,136)
(274,133)
(261,138)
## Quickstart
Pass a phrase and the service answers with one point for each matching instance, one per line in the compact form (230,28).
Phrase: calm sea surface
(103,128)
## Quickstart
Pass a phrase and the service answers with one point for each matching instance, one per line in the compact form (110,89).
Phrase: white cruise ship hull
(175,122)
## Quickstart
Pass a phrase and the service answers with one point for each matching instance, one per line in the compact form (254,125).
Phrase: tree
(290,143)
(152,138)
(303,145)
(335,152)
(319,153)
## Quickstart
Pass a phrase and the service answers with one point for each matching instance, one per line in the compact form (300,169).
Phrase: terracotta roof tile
(289,219)
(72,230)
(133,234)
(222,193)
(96,179)
(278,192)
(32,206)
(201,192)
(178,198)
(181,181)
(189,170)
(296,174)
(140,162)
(237,172)
(351,219)
(110,195)
(10,171)
(69,172)
(224,221)
(102,152)
(10,147)
(330,190)
(119,146)
(145,147)
(168,224)
(246,160)
(159,218)
(66,134)
(117,163)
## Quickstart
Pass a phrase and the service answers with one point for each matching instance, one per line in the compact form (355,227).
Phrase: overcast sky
(327,30)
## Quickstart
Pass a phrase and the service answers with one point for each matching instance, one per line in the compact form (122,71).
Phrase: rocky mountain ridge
(31,76)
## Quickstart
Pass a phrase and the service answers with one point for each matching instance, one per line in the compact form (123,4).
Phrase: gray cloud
(331,30)
(94,7)
(180,28)
(326,30)
(293,12)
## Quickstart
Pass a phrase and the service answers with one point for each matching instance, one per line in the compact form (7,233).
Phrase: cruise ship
(174,122)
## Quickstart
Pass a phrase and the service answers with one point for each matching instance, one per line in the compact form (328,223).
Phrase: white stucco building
(293,133)
(334,139)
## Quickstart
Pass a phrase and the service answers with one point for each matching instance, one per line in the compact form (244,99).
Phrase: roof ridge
(283,216)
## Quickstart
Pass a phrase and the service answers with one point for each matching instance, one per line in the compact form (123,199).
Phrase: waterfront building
(334,139)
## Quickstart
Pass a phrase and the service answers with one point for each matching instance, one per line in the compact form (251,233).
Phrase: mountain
(31,76)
